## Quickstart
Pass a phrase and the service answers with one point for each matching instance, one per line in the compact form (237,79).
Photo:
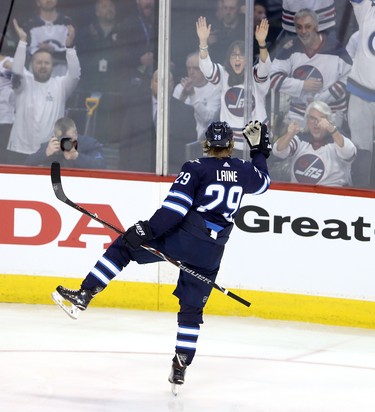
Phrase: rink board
(158,297)
(298,253)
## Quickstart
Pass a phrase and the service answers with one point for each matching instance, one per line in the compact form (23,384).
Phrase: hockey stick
(59,192)
(2,38)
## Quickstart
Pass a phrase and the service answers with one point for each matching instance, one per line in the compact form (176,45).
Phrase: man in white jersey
(325,10)
(311,66)
(40,98)
(361,86)
(195,90)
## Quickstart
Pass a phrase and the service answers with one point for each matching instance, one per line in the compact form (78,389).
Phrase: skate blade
(71,310)
(175,389)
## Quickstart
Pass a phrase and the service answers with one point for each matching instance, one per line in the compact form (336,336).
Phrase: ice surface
(113,360)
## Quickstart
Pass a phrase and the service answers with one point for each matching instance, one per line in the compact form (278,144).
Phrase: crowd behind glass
(104,56)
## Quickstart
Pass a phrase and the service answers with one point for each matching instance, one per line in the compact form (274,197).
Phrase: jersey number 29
(231,198)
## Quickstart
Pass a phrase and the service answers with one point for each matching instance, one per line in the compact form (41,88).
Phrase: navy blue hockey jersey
(212,187)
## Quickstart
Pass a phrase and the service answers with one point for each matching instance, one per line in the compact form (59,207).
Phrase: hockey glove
(138,234)
(258,138)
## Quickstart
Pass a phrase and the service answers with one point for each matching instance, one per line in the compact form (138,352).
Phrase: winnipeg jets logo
(307,71)
(235,100)
(308,169)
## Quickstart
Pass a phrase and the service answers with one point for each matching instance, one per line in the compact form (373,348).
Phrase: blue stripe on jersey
(264,187)
(213,226)
(176,207)
(180,195)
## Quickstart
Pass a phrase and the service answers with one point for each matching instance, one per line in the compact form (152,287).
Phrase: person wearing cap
(192,226)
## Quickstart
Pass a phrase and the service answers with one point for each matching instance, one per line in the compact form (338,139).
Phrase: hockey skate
(177,375)
(78,299)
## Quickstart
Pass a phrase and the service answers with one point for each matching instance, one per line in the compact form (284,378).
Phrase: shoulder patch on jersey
(195,161)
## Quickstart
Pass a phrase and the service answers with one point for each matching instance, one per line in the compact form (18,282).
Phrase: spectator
(324,9)
(183,33)
(274,15)
(197,92)
(104,68)
(69,149)
(48,30)
(312,66)
(219,10)
(320,155)
(101,49)
(138,140)
(361,86)
(260,13)
(40,98)
(231,28)
(352,44)
(229,79)
(7,104)
(141,38)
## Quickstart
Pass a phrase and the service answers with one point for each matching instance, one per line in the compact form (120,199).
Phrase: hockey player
(192,226)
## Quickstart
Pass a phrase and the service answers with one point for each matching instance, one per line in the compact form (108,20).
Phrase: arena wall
(296,253)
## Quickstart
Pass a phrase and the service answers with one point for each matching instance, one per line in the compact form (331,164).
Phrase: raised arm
(73,74)
(203,32)
(20,55)
(283,142)
(261,32)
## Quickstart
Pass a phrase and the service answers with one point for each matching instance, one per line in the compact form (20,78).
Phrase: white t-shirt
(39,105)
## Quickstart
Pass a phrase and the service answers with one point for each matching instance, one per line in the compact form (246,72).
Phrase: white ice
(113,360)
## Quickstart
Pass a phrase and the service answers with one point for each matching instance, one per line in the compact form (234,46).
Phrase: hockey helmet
(219,134)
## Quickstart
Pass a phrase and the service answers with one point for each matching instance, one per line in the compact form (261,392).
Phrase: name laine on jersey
(226,176)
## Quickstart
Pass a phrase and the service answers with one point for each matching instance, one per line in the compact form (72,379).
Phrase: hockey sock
(187,337)
(101,274)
